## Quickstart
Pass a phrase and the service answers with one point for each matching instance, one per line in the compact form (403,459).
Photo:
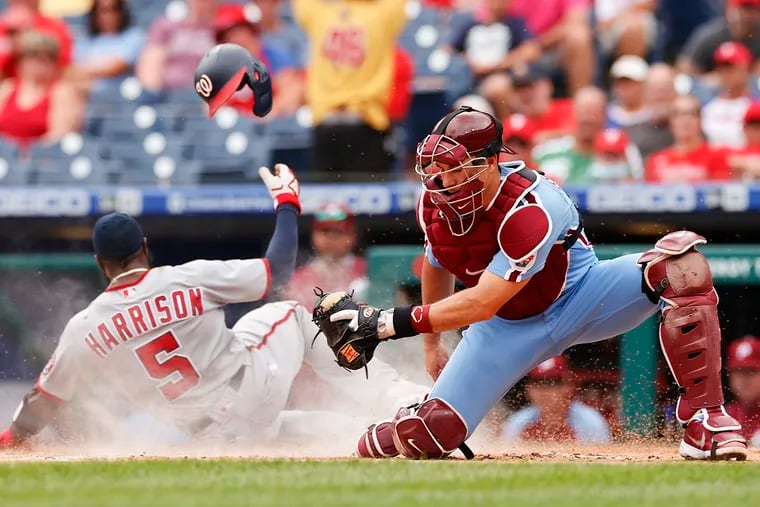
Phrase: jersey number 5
(179,366)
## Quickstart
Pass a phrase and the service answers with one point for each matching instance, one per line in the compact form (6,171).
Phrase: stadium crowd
(590,91)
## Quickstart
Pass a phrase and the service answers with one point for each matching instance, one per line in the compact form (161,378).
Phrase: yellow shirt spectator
(351,55)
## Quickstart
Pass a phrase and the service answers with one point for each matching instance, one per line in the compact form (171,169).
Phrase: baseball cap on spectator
(630,67)
(752,115)
(334,217)
(611,141)
(744,353)
(555,369)
(232,15)
(732,53)
(526,75)
(520,127)
(116,236)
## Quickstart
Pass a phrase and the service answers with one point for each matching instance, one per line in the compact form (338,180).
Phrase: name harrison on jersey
(143,317)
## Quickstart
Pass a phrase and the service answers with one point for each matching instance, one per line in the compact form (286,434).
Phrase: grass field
(187,483)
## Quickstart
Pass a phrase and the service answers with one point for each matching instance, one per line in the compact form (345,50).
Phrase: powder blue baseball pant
(493,355)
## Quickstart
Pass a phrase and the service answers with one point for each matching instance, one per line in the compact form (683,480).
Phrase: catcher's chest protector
(467,256)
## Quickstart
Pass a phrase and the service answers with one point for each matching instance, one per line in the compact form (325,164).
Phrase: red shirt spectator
(744,163)
(534,90)
(36,103)
(24,15)
(400,99)
(689,159)
(672,165)
(743,365)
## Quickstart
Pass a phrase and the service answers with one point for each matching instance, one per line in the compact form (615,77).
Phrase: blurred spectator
(533,91)
(61,8)
(743,365)
(741,23)
(628,75)
(174,47)
(568,159)
(563,30)
(689,159)
(233,25)
(659,93)
(400,97)
(553,414)
(37,104)
(519,132)
(615,158)
(625,27)
(744,163)
(350,75)
(492,42)
(722,117)
(111,48)
(334,265)
(21,15)
(277,31)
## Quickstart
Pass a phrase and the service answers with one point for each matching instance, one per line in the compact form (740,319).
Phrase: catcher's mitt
(353,349)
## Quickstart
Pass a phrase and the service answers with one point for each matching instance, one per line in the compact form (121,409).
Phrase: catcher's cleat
(703,441)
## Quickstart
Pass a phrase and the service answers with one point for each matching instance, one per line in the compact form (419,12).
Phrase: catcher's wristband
(411,320)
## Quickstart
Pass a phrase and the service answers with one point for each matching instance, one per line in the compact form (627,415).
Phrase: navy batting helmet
(225,69)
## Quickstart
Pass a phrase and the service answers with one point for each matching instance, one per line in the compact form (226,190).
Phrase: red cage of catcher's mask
(462,140)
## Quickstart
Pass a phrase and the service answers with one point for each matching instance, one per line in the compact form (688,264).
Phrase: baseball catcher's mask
(227,68)
(461,141)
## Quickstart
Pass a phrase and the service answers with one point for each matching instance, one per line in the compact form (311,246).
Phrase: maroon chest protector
(468,256)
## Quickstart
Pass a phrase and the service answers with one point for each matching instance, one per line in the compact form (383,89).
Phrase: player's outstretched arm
(285,191)
(437,284)
(36,412)
(353,331)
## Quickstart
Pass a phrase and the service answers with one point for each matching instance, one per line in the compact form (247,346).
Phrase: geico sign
(369,199)
(641,198)
(44,202)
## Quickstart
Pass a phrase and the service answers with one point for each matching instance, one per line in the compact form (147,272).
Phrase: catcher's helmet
(463,139)
(225,69)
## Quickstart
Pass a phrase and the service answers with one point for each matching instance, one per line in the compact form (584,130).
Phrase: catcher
(534,288)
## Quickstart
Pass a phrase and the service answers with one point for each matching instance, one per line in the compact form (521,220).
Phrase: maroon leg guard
(377,441)
(690,338)
(435,430)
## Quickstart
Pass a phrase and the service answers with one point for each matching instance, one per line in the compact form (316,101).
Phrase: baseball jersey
(161,340)
(723,121)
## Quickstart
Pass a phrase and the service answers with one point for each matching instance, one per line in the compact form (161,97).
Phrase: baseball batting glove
(7,440)
(353,331)
(282,185)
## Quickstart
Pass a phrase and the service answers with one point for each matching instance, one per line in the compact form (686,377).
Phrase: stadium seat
(290,142)
(232,157)
(162,170)
(70,161)
(13,170)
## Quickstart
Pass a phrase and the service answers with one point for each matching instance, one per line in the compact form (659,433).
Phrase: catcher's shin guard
(434,430)
(675,272)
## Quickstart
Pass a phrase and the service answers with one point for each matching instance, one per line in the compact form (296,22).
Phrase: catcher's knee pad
(675,272)
(434,430)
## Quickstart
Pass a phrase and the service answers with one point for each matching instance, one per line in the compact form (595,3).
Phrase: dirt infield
(639,452)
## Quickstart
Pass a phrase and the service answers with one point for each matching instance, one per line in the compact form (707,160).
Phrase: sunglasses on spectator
(46,55)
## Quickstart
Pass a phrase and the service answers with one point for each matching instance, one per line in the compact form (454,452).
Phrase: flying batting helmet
(225,69)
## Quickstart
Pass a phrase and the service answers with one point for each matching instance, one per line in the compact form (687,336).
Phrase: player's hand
(282,185)
(7,440)
(436,357)
(357,320)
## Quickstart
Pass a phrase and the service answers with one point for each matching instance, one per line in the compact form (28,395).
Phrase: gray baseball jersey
(161,340)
